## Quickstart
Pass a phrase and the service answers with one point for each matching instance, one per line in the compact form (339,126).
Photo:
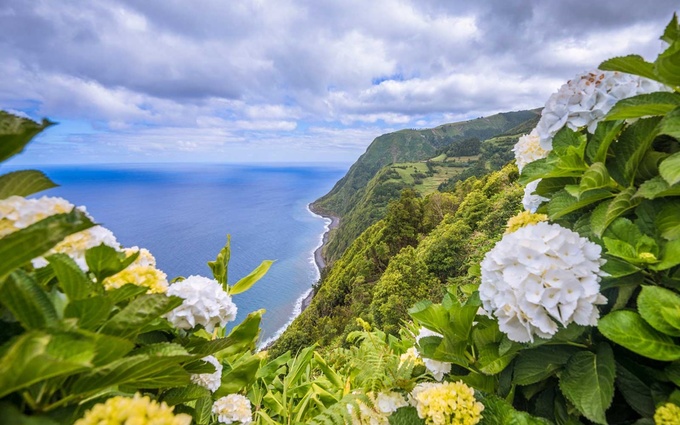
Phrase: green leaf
(630,149)
(125,292)
(240,339)
(20,247)
(670,256)
(563,203)
(596,177)
(635,391)
(670,124)
(16,132)
(606,132)
(432,316)
(104,261)
(24,183)
(670,169)
(498,411)
(35,356)
(90,312)
(220,267)
(181,395)
(564,139)
(667,65)
(668,221)
(588,382)
(27,301)
(672,32)
(141,311)
(72,279)
(248,281)
(657,188)
(606,213)
(631,64)
(242,374)
(492,362)
(628,329)
(644,105)
(653,302)
(406,416)
(203,410)
(618,268)
(540,363)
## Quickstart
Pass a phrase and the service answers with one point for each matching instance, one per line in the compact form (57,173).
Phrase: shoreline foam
(315,258)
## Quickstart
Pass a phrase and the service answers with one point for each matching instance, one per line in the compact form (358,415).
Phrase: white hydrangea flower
(233,408)
(437,368)
(528,149)
(531,201)
(17,213)
(586,99)
(205,303)
(388,402)
(539,276)
(211,381)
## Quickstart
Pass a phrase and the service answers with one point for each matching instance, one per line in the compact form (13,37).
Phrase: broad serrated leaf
(657,188)
(104,261)
(566,138)
(203,410)
(90,312)
(653,302)
(629,329)
(240,339)
(405,416)
(24,183)
(220,267)
(249,280)
(644,105)
(671,33)
(72,279)
(670,124)
(141,311)
(563,203)
(181,395)
(588,382)
(538,364)
(670,256)
(668,221)
(498,411)
(596,177)
(21,246)
(631,64)
(16,132)
(27,301)
(492,362)
(670,169)
(606,132)
(630,149)
(243,372)
(125,292)
(602,217)
(35,356)
(635,391)
(667,65)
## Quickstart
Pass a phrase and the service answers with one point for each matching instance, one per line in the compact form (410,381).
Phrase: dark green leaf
(203,410)
(628,329)
(606,132)
(667,65)
(27,301)
(538,364)
(631,64)
(492,361)
(181,395)
(672,32)
(24,183)
(596,177)
(16,132)
(563,203)
(243,372)
(670,124)
(240,339)
(406,416)
(635,390)
(588,382)
(220,267)
(630,149)
(248,281)
(670,169)
(90,312)
(644,105)
(104,261)
(125,292)
(668,220)
(20,247)
(72,279)
(653,302)
(498,411)
(603,216)
(565,139)
(657,188)
(141,311)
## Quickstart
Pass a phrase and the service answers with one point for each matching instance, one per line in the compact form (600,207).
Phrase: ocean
(182,213)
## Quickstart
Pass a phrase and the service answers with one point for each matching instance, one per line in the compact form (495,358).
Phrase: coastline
(303,302)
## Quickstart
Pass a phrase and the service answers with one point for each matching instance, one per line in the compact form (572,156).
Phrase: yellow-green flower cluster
(137,410)
(447,403)
(523,219)
(668,414)
(142,272)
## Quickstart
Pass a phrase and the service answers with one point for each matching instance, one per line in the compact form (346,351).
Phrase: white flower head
(388,402)
(18,213)
(437,368)
(528,149)
(233,408)
(539,276)
(211,381)
(532,201)
(205,303)
(586,99)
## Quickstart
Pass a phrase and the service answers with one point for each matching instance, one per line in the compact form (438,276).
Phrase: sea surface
(183,214)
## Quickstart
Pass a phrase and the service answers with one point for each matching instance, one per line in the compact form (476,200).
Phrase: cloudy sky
(257,81)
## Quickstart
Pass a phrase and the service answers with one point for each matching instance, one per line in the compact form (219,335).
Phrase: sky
(291,81)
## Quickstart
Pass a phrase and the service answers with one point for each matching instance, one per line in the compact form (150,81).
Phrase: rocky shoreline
(318,254)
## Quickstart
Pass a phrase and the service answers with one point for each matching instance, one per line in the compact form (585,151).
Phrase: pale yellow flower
(668,414)
(447,403)
(142,272)
(523,219)
(137,410)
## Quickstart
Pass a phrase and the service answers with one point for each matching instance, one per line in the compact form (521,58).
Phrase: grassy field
(416,173)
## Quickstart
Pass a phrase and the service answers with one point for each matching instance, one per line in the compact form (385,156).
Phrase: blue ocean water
(183,213)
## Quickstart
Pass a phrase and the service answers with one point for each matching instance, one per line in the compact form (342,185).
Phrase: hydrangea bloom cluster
(531,201)
(388,402)
(211,381)
(446,403)
(523,219)
(17,212)
(541,275)
(136,410)
(436,367)
(205,303)
(528,149)
(667,414)
(586,99)
(411,355)
(141,272)
(233,408)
